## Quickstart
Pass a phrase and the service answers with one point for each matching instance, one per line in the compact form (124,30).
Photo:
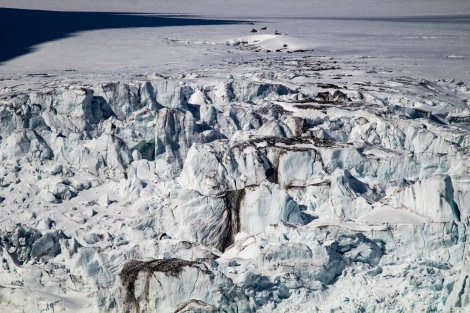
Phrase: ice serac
(259,192)
(150,286)
(438,206)
(119,99)
(197,218)
(265,205)
(175,132)
(216,168)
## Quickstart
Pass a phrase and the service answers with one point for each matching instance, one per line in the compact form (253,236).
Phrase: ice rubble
(234,195)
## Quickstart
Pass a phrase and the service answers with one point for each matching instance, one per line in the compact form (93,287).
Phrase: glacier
(278,157)
(279,191)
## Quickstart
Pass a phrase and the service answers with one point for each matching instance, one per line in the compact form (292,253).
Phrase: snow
(260,156)
(346,29)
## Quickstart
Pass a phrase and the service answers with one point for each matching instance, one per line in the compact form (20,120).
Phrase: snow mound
(271,43)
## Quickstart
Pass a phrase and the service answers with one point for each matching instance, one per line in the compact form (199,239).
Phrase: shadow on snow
(21,30)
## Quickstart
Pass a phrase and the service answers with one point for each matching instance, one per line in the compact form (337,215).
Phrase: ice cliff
(261,193)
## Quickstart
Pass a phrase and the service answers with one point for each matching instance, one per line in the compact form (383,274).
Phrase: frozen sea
(417,38)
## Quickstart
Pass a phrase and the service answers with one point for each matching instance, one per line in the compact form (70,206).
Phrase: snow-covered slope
(239,167)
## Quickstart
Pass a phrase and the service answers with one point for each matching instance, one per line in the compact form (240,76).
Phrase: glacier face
(286,191)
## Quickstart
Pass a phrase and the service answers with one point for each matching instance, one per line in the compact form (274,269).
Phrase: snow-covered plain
(240,156)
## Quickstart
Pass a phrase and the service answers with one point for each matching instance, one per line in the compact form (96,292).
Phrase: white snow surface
(307,156)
